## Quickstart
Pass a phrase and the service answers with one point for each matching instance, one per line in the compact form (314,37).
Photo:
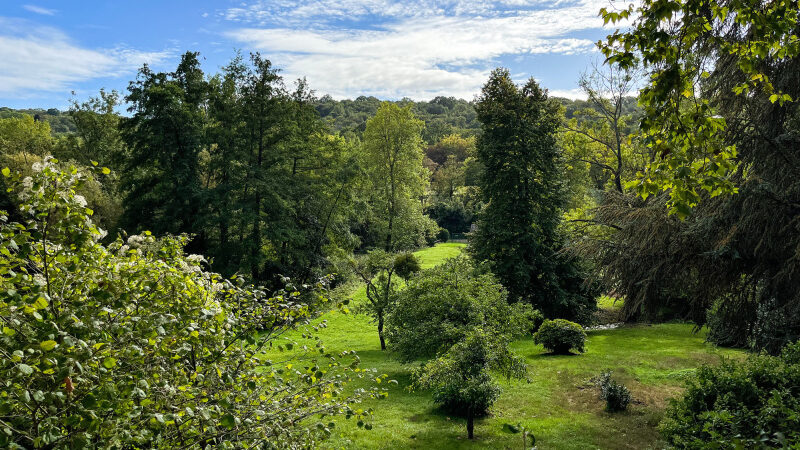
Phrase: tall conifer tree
(518,231)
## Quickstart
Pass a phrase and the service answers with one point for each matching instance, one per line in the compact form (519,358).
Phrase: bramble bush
(135,345)
(560,336)
(441,305)
(740,404)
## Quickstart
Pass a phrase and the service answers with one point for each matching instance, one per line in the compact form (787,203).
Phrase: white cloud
(40,10)
(39,59)
(426,49)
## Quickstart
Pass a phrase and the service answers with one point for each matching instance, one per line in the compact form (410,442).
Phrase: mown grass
(559,405)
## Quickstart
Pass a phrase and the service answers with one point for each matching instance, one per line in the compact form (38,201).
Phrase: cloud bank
(43,59)
(417,48)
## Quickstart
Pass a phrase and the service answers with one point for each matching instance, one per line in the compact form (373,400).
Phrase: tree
(442,305)
(97,135)
(135,344)
(377,270)
(393,160)
(460,378)
(164,135)
(690,50)
(518,230)
(26,137)
(719,118)
(604,125)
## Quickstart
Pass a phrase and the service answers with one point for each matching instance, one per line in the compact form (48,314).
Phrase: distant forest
(443,116)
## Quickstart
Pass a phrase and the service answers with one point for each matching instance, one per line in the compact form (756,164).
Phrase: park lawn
(559,405)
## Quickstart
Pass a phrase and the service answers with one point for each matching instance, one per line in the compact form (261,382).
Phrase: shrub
(526,319)
(441,305)
(740,404)
(616,395)
(460,377)
(134,345)
(406,264)
(443,235)
(560,336)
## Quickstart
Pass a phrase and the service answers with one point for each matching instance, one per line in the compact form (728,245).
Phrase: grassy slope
(559,405)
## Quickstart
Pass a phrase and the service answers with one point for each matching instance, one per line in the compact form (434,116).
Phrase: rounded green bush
(443,235)
(739,404)
(560,336)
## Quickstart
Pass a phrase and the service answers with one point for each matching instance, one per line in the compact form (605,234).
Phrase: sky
(390,49)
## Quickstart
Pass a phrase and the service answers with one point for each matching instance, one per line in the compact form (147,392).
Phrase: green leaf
(25,369)
(228,421)
(109,362)
(48,345)
(6,172)
(41,303)
(106,171)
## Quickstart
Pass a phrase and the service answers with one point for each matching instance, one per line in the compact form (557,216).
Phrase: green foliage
(392,153)
(440,306)
(691,49)
(443,116)
(164,136)
(443,235)
(377,270)
(460,378)
(135,344)
(616,395)
(97,136)
(406,264)
(518,230)
(560,336)
(24,136)
(244,165)
(60,122)
(751,404)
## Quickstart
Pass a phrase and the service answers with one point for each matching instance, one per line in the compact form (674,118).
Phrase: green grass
(560,405)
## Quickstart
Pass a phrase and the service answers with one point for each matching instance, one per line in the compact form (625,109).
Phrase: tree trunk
(380,331)
(470,426)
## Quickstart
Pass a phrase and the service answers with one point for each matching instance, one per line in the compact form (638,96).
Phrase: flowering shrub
(135,345)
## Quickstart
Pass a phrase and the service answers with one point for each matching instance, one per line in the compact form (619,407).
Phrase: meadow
(559,403)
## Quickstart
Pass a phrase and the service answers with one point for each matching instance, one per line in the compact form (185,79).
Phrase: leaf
(109,362)
(106,171)
(25,369)
(6,172)
(228,421)
(41,303)
(48,345)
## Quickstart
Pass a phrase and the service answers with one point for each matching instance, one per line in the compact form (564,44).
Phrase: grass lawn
(559,404)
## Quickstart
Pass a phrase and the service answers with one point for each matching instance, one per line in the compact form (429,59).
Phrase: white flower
(80,200)
(136,240)
(37,167)
(197,259)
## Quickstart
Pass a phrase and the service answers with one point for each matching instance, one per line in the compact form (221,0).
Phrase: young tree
(393,160)
(460,378)
(518,230)
(377,270)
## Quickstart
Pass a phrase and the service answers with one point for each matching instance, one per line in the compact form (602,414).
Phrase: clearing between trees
(561,404)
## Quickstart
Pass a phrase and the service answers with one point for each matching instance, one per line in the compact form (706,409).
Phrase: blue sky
(346,48)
